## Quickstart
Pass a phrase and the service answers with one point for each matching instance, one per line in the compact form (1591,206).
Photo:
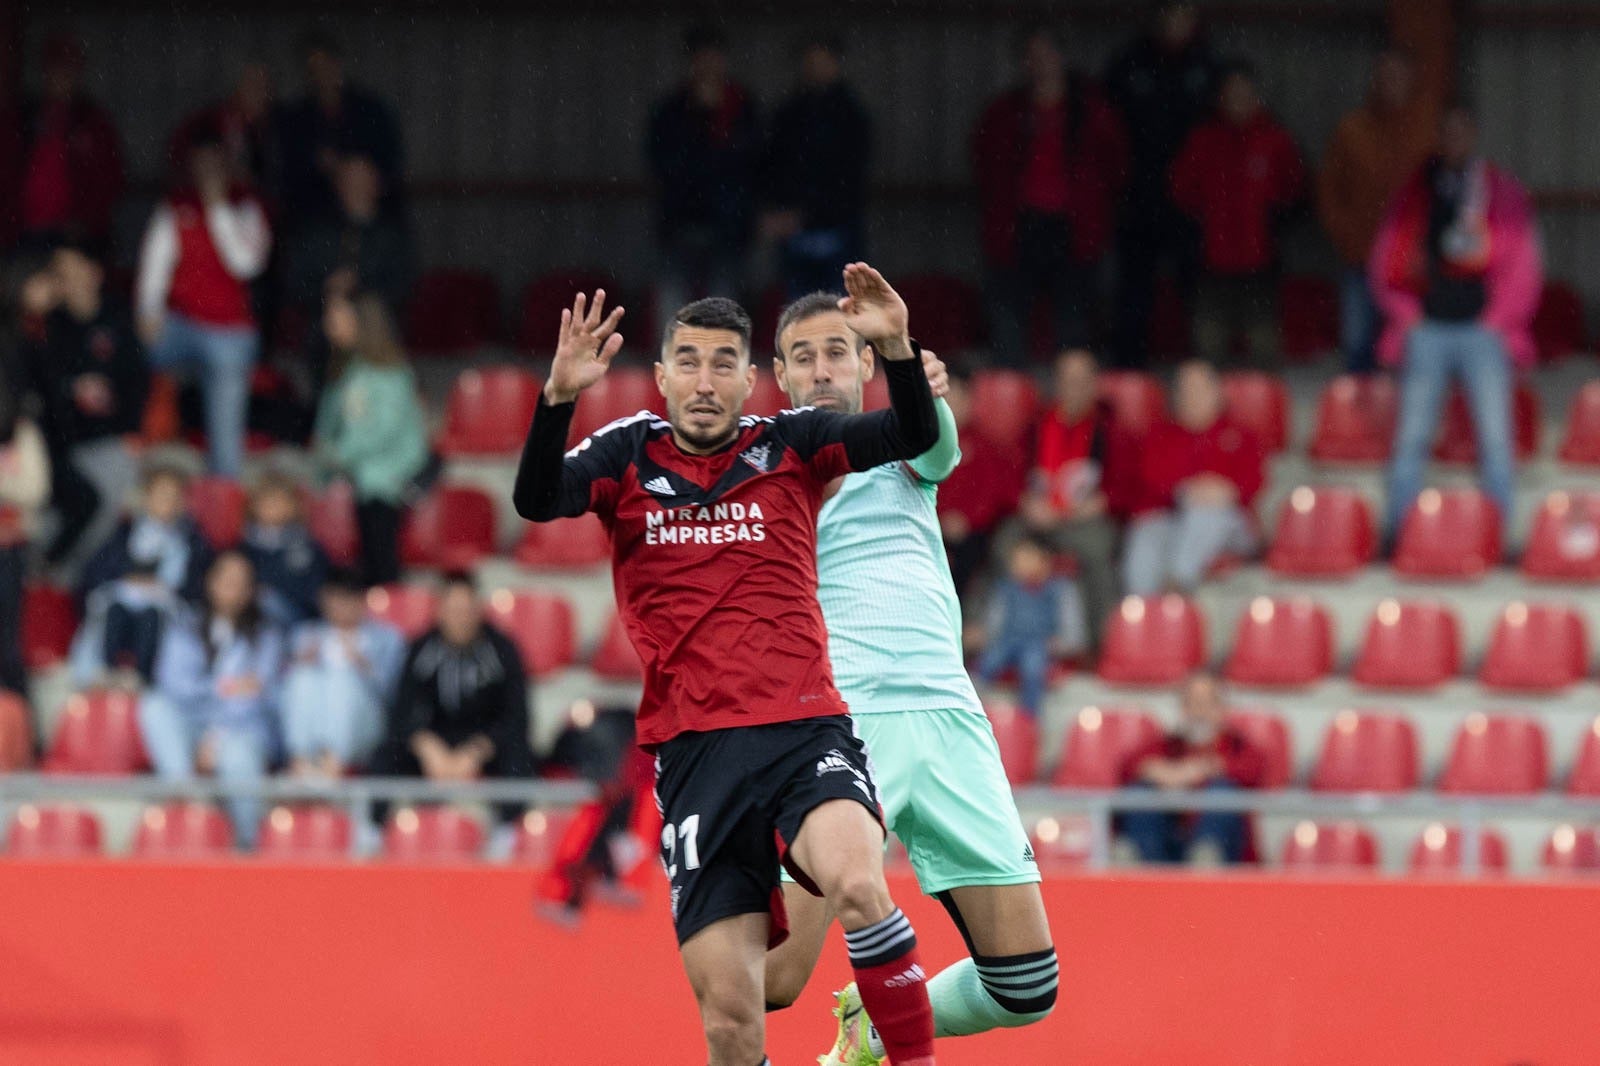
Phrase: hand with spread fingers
(589,341)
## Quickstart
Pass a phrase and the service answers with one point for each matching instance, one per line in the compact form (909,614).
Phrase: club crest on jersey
(757,455)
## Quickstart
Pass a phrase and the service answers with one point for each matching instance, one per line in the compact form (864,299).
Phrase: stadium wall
(239,964)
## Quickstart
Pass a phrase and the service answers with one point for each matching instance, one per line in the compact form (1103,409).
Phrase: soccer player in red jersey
(713,524)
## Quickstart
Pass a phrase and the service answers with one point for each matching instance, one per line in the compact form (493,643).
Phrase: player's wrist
(555,396)
(895,348)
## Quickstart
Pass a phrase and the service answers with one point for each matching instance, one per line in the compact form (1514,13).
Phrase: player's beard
(828,398)
(704,439)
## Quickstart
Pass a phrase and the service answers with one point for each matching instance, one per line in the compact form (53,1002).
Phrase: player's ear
(869,362)
(661,377)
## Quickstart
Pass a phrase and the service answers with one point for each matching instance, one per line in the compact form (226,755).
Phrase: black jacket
(460,693)
(114,559)
(816,157)
(705,164)
(379,252)
(71,350)
(365,124)
(1162,96)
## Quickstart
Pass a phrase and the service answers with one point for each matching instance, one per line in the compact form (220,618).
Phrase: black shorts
(732,801)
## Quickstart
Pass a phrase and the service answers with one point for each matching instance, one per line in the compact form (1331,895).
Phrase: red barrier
(132,964)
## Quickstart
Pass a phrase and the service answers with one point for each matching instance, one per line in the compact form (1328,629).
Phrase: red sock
(894,988)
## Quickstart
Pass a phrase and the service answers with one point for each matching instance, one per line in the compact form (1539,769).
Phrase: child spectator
(1030,622)
(24,487)
(289,563)
(160,533)
(123,625)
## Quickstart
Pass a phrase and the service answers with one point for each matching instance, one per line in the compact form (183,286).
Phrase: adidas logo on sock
(906,978)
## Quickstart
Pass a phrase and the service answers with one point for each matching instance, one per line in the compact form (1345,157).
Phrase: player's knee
(734,1029)
(860,898)
(1024,986)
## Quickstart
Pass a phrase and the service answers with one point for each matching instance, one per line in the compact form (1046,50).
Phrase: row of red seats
(1288,643)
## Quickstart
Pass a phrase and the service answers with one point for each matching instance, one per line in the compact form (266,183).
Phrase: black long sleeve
(907,429)
(537,494)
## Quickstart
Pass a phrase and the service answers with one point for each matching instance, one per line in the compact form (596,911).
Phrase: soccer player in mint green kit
(894,635)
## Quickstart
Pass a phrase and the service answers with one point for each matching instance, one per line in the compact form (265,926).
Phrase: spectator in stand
(204,245)
(1238,176)
(1374,150)
(346,668)
(289,564)
(248,126)
(213,707)
(1031,621)
(704,153)
(1199,474)
(982,490)
(334,119)
(65,161)
(462,710)
(1050,157)
(371,427)
(815,173)
(1164,85)
(1204,752)
(159,533)
(123,625)
(358,248)
(1458,270)
(24,487)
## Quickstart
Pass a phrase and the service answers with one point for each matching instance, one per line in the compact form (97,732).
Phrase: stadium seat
(1409,644)
(1366,751)
(1155,640)
(1449,533)
(540,624)
(539,835)
(1099,745)
(1537,647)
(565,544)
(1457,441)
(546,296)
(948,311)
(409,608)
(1581,444)
(183,831)
(1356,417)
(1438,851)
(1322,531)
(1018,738)
(1496,755)
(452,528)
(1330,847)
(766,398)
(1269,733)
(315,832)
(1260,403)
(49,620)
(1564,544)
(432,834)
(1281,643)
(1572,850)
(1004,405)
(451,312)
(219,506)
(1061,841)
(1135,397)
(488,412)
(1558,326)
(1308,316)
(331,517)
(1585,777)
(53,832)
(16,733)
(98,734)
(624,391)
(615,659)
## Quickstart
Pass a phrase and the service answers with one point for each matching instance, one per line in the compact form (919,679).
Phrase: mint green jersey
(893,616)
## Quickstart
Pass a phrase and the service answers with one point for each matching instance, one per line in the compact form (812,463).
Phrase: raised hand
(585,348)
(875,311)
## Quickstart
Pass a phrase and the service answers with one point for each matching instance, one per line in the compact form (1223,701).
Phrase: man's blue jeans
(222,358)
(1167,836)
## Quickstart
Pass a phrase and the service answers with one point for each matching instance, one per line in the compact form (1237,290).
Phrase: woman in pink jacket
(1457,270)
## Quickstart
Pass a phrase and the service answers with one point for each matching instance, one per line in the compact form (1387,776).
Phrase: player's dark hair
(808,306)
(453,579)
(714,312)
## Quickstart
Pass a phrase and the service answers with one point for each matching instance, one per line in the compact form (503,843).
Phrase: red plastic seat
(1356,417)
(539,836)
(451,312)
(1410,644)
(1438,851)
(1366,751)
(1269,734)
(1004,405)
(948,311)
(766,398)
(1260,403)
(540,624)
(1281,643)
(1585,778)
(315,832)
(1449,533)
(53,831)
(183,831)
(1330,847)
(1572,850)
(432,834)
(1155,640)
(452,528)
(16,733)
(219,506)
(1581,445)
(331,517)
(615,659)
(1565,542)
(565,544)
(1018,738)
(1322,531)
(1458,442)
(1308,316)
(546,296)
(49,620)
(624,391)
(1099,745)
(409,608)
(1558,326)
(1136,399)
(489,411)
(99,734)
(1496,755)
(1061,842)
(1537,647)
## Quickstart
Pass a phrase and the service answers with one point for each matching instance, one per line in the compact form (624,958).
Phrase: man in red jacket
(1237,176)
(1049,157)
(1198,476)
